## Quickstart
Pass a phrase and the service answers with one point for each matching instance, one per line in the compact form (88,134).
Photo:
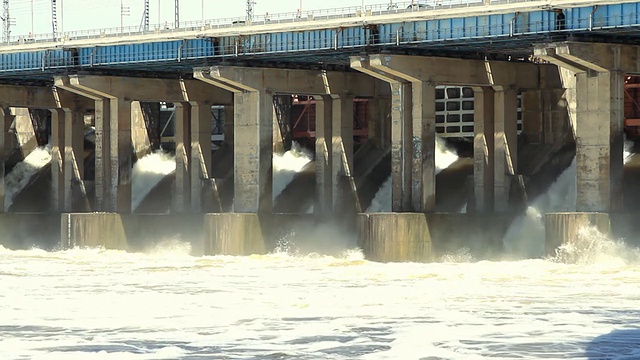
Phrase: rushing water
(173,303)
(444,157)
(168,304)
(23,172)
(147,173)
(287,165)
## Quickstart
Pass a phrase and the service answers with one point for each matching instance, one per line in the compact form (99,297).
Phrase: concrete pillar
(121,155)
(506,144)
(182,191)
(544,116)
(324,184)
(423,178)
(379,124)
(201,127)
(139,133)
(483,150)
(25,133)
(564,228)
(599,141)
(73,160)
(401,146)
(342,154)
(5,116)
(234,234)
(102,154)
(395,237)
(228,124)
(57,160)
(253,151)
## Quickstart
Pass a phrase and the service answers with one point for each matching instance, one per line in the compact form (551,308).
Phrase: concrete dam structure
(520,95)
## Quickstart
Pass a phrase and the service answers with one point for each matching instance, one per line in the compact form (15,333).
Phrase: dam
(366,94)
(405,180)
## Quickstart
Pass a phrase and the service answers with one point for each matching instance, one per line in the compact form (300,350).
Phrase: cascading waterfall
(147,173)
(525,237)
(22,173)
(444,158)
(287,165)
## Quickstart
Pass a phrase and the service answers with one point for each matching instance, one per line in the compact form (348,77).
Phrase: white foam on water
(147,173)
(96,303)
(23,172)
(444,157)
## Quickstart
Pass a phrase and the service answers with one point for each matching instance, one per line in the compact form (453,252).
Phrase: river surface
(168,304)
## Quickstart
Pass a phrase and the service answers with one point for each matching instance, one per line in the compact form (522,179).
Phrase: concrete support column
(102,154)
(253,151)
(324,184)
(544,116)
(506,144)
(5,117)
(228,124)
(401,146)
(483,149)
(379,113)
(139,133)
(182,191)
(73,159)
(201,127)
(423,178)
(342,154)
(57,160)
(121,155)
(599,141)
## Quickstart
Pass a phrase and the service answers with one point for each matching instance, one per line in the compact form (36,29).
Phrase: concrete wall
(29,230)
(131,232)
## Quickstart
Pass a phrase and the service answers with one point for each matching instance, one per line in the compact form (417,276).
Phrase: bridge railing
(288,17)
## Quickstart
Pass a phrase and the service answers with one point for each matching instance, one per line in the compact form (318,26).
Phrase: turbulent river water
(167,303)
(170,302)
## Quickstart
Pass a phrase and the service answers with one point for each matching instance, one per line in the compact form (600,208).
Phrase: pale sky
(99,14)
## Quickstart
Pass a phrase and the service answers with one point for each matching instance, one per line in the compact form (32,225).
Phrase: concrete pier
(563,228)
(395,237)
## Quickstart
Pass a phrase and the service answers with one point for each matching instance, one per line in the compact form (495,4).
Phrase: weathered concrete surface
(131,232)
(92,230)
(420,237)
(29,230)
(234,234)
(246,234)
(562,228)
(395,237)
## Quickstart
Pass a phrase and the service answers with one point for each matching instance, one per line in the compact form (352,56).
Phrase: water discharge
(22,173)
(147,173)
(166,304)
(287,165)
(525,237)
(444,157)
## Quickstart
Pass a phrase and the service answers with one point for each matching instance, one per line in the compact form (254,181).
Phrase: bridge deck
(504,28)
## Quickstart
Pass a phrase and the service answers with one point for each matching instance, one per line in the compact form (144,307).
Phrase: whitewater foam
(287,165)
(147,173)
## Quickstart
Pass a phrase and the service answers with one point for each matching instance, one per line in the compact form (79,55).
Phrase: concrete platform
(21,231)
(419,237)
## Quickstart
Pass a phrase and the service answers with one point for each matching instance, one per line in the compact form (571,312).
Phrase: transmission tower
(54,18)
(250,4)
(145,16)
(6,29)
(177,15)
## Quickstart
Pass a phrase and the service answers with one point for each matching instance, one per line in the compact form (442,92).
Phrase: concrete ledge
(131,232)
(241,234)
(399,237)
(562,228)
(393,237)
(28,230)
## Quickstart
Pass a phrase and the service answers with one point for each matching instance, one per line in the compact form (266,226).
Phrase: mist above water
(526,235)
(22,173)
(444,157)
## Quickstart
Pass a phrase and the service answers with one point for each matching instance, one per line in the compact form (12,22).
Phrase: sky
(78,15)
